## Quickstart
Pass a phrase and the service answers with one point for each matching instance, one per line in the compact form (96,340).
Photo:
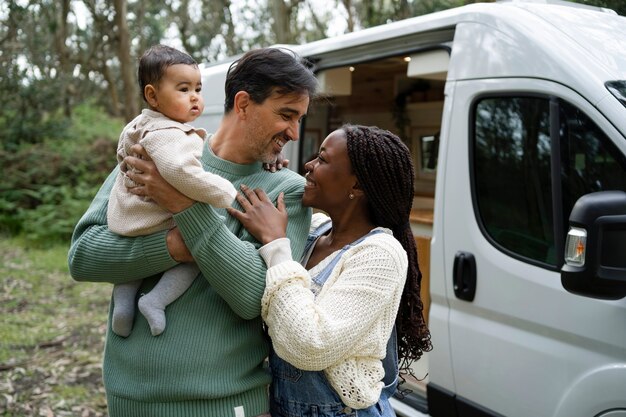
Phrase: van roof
(601,33)
(579,45)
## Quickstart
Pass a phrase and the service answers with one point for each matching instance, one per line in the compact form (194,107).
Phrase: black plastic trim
(441,402)
(414,400)
(469,408)
(445,403)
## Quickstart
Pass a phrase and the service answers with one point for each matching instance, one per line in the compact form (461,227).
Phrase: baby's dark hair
(384,169)
(261,71)
(155,61)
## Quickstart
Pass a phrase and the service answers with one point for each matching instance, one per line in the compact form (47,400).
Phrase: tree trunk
(403,10)
(230,38)
(127,67)
(115,106)
(319,25)
(350,20)
(185,26)
(282,13)
(281,21)
(64,73)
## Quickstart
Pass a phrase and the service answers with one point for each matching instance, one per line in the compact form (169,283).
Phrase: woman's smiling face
(329,177)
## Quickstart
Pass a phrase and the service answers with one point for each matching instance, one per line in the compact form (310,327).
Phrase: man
(209,361)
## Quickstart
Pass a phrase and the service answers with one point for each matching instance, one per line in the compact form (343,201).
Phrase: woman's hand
(150,184)
(260,217)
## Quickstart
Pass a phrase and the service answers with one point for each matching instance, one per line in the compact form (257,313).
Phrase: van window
(512,171)
(512,174)
(589,160)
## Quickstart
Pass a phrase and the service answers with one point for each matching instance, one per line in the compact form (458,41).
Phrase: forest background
(68,86)
(68,81)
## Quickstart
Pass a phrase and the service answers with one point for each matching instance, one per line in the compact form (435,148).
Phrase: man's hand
(150,184)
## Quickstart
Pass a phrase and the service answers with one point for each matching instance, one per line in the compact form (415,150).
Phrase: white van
(516,116)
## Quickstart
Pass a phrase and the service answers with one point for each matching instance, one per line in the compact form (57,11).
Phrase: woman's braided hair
(383,166)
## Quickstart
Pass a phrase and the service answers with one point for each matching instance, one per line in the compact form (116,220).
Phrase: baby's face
(178,94)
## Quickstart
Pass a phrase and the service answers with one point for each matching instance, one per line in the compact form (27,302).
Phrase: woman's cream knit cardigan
(343,327)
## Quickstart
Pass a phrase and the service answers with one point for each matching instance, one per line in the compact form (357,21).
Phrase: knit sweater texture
(342,327)
(210,360)
(175,148)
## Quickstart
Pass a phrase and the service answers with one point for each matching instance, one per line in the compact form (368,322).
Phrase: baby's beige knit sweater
(176,149)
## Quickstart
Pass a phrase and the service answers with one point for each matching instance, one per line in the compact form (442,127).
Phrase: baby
(171,85)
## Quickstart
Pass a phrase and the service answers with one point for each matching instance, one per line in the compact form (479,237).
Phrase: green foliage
(90,122)
(29,113)
(54,218)
(619,6)
(46,187)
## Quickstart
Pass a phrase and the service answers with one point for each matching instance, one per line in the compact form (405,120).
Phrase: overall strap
(390,363)
(310,240)
(323,275)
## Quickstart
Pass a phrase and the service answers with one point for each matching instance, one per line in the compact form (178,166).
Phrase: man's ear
(150,94)
(242,103)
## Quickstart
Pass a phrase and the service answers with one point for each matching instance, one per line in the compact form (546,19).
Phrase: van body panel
(602,35)
(606,383)
(213,79)
(523,343)
(615,112)
(437,24)
(364,52)
(510,45)
(439,314)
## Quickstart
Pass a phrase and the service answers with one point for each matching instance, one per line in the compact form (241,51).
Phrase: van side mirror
(595,250)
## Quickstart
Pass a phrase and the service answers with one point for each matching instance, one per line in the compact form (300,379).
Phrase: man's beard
(268,155)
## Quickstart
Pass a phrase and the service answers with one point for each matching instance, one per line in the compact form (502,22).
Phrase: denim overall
(297,393)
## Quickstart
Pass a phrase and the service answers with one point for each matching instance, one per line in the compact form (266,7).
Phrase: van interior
(403,94)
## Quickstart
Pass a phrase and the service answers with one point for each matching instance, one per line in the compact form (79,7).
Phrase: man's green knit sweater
(209,361)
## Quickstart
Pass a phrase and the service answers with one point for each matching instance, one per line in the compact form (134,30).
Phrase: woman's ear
(150,94)
(241,104)
(357,191)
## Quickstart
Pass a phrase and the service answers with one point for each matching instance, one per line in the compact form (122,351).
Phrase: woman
(333,318)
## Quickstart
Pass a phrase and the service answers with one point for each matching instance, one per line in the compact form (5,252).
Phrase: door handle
(464,276)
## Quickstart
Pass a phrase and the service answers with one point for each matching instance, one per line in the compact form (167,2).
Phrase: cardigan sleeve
(315,333)
(279,250)
(96,254)
(275,252)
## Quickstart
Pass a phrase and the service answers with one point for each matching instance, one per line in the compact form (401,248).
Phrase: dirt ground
(51,336)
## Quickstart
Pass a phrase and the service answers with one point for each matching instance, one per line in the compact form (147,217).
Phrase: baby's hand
(280,163)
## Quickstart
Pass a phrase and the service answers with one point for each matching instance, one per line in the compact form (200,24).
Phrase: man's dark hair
(155,61)
(384,170)
(261,71)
